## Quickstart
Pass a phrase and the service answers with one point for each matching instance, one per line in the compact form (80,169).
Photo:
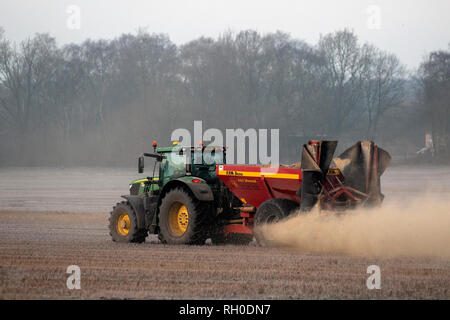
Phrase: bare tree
(435,72)
(383,85)
(24,73)
(111,98)
(342,54)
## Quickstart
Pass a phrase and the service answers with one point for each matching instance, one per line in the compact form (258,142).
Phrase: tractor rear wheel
(272,211)
(183,219)
(123,224)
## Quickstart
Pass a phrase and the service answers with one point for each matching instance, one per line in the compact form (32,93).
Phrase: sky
(408,28)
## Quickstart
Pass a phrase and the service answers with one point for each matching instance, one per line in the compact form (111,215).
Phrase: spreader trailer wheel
(272,211)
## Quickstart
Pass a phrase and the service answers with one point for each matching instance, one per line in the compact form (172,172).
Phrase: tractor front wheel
(182,218)
(123,224)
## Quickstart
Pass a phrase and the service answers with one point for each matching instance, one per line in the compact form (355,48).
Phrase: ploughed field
(53,218)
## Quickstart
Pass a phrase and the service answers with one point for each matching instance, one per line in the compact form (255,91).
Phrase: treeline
(102,102)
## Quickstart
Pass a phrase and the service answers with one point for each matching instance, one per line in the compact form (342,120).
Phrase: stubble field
(53,218)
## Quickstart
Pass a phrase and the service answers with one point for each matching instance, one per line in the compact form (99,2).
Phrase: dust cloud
(419,228)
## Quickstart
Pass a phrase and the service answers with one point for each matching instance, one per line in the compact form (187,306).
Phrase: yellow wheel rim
(123,224)
(178,219)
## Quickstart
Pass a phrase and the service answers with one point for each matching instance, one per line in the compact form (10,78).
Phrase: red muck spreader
(270,194)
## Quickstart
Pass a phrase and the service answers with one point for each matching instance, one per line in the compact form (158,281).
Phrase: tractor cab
(176,162)
(179,161)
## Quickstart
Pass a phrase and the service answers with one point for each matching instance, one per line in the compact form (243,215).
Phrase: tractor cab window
(215,157)
(173,165)
(208,157)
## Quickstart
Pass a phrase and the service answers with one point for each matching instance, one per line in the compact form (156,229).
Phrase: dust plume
(418,229)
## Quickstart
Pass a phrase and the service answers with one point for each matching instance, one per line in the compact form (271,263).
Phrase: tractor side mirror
(141,164)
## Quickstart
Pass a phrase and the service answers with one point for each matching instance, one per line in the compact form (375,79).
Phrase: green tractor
(184,202)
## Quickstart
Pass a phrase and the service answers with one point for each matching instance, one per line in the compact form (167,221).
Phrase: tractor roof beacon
(192,195)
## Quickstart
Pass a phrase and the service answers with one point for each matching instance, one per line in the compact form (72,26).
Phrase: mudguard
(200,189)
(137,203)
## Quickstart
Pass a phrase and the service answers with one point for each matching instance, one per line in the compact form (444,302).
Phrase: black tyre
(272,211)
(232,238)
(183,219)
(123,224)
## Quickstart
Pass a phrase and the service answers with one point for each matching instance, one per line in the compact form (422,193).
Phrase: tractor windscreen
(174,165)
